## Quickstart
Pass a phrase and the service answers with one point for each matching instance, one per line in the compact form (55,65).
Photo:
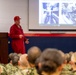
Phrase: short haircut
(11,55)
(23,60)
(33,53)
(14,58)
(50,60)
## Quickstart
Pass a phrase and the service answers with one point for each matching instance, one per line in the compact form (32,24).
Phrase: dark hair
(51,59)
(11,55)
(14,58)
(33,54)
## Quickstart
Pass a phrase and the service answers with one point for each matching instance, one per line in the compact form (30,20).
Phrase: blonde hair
(73,57)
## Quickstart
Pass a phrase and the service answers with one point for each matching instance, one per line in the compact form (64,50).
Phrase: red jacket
(17,43)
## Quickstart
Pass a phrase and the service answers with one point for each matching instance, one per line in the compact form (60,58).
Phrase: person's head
(67,58)
(17,20)
(33,53)
(73,61)
(73,57)
(61,52)
(11,56)
(70,53)
(23,60)
(15,60)
(51,61)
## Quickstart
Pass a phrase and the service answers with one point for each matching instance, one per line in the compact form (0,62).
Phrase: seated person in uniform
(3,70)
(11,57)
(23,65)
(23,62)
(33,53)
(11,67)
(67,68)
(50,62)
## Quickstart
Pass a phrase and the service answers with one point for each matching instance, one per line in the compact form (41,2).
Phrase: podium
(3,47)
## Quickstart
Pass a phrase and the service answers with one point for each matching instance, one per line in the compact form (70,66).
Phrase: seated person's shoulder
(67,67)
(74,72)
(32,71)
(67,70)
(66,73)
(8,66)
(3,69)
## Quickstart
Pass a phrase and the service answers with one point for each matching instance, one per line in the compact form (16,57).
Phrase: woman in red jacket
(17,35)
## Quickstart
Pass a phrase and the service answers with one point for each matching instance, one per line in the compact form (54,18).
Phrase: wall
(50,41)
(10,8)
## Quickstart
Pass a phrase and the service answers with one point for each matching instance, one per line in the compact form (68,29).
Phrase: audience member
(51,62)
(33,54)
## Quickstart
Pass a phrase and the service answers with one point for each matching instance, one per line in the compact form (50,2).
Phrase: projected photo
(49,13)
(57,13)
(68,13)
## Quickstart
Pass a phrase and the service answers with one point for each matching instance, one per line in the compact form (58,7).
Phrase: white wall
(11,8)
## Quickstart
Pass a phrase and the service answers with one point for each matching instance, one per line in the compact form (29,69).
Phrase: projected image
(68,12)
(49,13)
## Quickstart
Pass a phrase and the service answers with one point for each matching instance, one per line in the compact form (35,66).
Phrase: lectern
(3,47)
